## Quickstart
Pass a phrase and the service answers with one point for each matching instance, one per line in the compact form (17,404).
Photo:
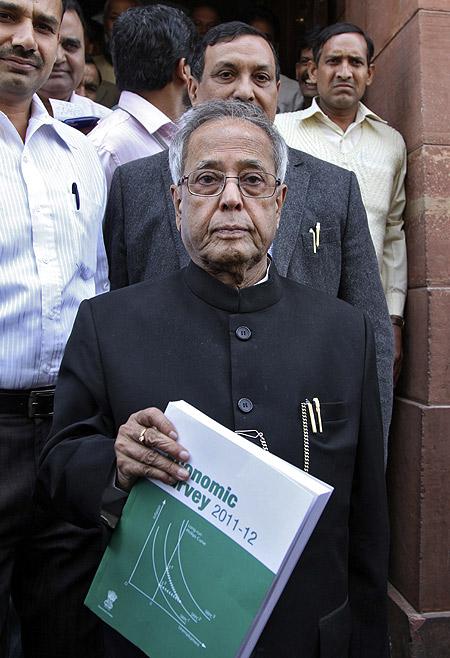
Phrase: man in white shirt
(150,48)
(68,71)
(52,192)
(338,128)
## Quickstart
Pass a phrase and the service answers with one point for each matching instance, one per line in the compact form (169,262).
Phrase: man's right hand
(142,445)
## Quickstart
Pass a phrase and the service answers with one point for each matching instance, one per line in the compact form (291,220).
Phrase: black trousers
(45,564)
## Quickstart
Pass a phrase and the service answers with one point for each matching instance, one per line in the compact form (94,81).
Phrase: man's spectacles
(254,184)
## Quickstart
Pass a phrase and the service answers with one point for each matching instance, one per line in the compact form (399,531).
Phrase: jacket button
(245,405)
(243,333)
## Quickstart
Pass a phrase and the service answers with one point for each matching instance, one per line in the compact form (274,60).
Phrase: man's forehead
(247,50)
(71,23)
(349,43)
(217,143)
(47,7)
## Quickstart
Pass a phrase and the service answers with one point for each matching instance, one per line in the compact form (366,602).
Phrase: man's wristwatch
(398,321)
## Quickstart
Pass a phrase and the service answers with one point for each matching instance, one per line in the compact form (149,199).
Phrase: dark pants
(45,564)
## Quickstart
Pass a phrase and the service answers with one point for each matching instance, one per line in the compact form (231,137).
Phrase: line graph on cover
(162,576)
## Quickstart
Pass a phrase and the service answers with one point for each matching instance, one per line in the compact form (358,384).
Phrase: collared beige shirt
(376,153)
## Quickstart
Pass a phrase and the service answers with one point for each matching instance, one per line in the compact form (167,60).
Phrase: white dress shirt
(78,106)
(376,153)
(53,194)
(134,130)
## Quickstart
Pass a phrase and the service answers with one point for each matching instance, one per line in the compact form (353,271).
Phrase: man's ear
(370,75)
(176,200)
(312,71)
(192,89)
(279,200)
(182,71)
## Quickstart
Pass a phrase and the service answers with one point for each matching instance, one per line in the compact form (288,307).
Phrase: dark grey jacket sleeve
(114,237)
(361,286)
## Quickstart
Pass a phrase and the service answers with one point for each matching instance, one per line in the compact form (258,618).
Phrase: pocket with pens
(317,418)
(319,414)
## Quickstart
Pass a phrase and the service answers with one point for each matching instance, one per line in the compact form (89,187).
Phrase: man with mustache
(323,239)
(339,129)
(52,192)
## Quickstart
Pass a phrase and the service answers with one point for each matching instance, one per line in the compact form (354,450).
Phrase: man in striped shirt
(52,192)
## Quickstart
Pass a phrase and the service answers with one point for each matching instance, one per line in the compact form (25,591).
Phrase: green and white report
(195,569)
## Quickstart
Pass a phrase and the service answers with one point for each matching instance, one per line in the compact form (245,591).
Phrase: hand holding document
(196,568)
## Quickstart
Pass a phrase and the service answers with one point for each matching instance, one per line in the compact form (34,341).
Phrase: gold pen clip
(313,233)
(317,234)
(319,417)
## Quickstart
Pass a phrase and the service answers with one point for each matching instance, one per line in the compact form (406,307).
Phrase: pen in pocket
(76,195)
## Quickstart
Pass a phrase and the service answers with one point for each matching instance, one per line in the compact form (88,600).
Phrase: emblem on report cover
(110,600)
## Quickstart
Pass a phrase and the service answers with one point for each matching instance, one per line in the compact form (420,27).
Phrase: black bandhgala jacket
(150,343)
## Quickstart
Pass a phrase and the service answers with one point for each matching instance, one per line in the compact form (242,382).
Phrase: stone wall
(412,92)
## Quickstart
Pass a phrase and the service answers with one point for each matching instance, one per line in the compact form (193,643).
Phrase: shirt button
(243,333)
(245,405)
(25,159)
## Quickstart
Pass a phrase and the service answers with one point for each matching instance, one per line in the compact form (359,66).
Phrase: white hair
(216,110)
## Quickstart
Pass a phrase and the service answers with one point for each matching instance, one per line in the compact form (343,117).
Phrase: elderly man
(323,239)
(52,192)
(338,128)
(246,346)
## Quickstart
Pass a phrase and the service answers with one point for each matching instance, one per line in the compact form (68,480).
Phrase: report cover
(195,569)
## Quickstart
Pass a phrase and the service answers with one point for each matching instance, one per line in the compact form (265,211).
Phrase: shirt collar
(266,275)
(143,111)
(38,117)
(362,113)
(233,300)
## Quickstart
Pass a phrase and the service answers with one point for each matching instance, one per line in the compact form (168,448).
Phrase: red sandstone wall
(412,92)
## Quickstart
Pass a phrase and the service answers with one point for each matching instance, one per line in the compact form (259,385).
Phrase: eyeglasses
(255,184)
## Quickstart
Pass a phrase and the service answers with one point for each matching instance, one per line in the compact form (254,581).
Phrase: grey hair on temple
(218,110)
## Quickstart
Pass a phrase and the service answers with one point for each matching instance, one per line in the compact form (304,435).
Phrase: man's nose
(24,36)
(231,196)
(345,70)
(244,90)
(60,54)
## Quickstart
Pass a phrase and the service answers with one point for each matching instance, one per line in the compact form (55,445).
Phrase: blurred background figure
(204,16)
(93,37)
(91,80)
(289,96)
(111,12)
(108,94)
(58,92)
(308,88)
(69,65)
